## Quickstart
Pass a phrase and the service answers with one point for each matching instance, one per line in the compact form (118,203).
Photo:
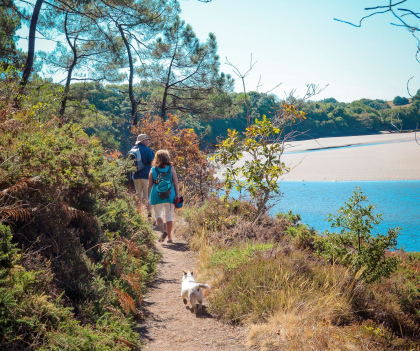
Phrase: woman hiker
(163,189)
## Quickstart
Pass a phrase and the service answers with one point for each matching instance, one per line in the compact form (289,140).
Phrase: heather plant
(355,246)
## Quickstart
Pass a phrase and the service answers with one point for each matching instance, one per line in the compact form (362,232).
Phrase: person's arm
(151,156)
(175,180)
(150,184)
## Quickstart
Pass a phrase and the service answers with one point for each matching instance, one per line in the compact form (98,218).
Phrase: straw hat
(141,137)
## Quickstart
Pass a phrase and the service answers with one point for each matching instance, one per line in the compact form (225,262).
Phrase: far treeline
(324,118)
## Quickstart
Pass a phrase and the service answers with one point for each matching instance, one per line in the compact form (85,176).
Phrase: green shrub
(258,176)
(355,246)
(302,237)
(71,212)
(398,100)
(233,257)
(290,216)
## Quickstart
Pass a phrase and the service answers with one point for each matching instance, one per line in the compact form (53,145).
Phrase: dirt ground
(172,326)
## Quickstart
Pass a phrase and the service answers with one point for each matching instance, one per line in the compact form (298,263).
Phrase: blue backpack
(163,183)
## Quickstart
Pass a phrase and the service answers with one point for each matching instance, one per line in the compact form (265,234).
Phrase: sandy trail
(170,325)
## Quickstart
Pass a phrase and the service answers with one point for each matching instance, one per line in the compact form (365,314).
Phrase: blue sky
(297,42)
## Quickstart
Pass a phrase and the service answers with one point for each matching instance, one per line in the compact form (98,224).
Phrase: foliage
(294,218)
(355,246)
(264,168)
(191,164)
(90,52)
(398,100)
(277,284)
(285,289)
(10,22)
(64,201)
(236,256)
(30,314)
(187,72)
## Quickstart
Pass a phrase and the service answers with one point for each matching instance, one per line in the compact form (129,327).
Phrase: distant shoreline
(374,157)
(377,157)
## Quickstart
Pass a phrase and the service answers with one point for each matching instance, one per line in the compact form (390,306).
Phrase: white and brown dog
(193,290)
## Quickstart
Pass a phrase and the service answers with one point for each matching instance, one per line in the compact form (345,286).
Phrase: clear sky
(297,42)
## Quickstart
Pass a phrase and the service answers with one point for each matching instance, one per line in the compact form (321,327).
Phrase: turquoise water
(398,201)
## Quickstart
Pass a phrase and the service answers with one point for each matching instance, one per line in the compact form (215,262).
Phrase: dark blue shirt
(147,157)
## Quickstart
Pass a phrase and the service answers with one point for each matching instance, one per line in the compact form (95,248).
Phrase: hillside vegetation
(272,277)
(76,256)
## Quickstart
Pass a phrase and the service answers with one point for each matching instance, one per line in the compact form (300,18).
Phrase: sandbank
(368,157)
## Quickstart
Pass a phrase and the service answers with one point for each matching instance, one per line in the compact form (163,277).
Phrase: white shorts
(141,186)
(165,207)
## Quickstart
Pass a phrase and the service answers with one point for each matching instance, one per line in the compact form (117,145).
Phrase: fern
(125,300)
(135,282)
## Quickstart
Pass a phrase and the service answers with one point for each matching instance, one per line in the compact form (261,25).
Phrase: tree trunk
(130,79)
(163,108)
(165,94)
(70,72)
(31,46)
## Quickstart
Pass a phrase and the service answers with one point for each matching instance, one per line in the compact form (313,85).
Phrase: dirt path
(170,325)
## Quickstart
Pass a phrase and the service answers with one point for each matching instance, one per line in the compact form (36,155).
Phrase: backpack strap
(157,174)
(154,174)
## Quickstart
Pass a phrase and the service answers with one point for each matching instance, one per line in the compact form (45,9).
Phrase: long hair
(162,159)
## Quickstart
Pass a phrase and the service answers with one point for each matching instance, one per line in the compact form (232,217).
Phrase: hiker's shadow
(176,246)
(204,313)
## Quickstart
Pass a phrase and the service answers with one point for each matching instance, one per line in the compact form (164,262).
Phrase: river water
(398,201)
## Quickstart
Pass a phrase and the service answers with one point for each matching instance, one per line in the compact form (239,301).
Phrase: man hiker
(143,157)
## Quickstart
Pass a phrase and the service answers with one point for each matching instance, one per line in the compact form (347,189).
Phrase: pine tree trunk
(31,46)
(130,79)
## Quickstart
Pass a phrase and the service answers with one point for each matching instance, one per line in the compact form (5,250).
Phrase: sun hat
(140,138)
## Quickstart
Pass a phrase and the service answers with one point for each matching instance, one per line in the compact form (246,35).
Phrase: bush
(265,285)
(293,218)
(398,100)
(63,200)
(355,246)
(257,176)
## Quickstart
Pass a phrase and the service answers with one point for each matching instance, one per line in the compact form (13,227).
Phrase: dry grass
(391,104)
(291,298)
(300,331)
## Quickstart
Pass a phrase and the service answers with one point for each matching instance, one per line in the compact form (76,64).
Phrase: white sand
(398,158)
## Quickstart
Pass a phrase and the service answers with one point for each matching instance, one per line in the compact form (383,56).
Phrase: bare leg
(159,222)
(169,228)
(149,207)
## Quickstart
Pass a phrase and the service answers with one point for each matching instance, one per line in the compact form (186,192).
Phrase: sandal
(169,241)
(163,236)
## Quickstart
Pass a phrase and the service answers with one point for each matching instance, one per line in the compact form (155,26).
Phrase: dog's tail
(205,286)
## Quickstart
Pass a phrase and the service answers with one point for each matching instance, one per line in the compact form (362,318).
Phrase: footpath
(169,324)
